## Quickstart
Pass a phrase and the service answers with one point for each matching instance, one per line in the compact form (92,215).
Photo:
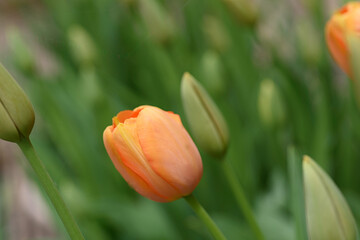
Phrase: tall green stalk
(241,200)
(204,217)
(49,186)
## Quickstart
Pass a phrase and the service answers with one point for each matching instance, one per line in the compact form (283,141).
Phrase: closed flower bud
(270,104)
(244,10)
(205,119)
(158,22)
(309,41)
(327,214)
(16,112)
(129,3)
(21,53)
(345,21)
(212,72)
(154,153)
(216,33)
(82,46)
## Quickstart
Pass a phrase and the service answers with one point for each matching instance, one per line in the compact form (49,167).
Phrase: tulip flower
(327,214)
(344,22)
(154,153)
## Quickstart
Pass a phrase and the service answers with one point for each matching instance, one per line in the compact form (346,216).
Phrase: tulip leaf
(297,193)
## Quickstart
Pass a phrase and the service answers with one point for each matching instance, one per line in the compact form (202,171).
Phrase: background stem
(52,192)
(241,200)
(205,218)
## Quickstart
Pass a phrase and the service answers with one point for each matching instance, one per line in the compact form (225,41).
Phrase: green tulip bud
(205,119)
(270,104)
(158,22)
(21,53)
(129,3)
(212,72)
(327,214)
(309,41)
(216,33)
(16,112)
(244,10)
(82,46)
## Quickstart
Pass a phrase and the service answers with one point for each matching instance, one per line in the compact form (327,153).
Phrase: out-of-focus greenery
(106,56)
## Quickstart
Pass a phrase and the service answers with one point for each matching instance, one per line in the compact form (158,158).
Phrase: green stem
(205,218)
(49,186)
(241,200)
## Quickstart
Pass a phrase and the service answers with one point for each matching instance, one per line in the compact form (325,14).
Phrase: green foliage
(131,62)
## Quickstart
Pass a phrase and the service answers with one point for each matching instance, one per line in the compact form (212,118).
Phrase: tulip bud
(16,112)
(22,55)
(309,41)
(154,153)
(344,22)
(270,104)
(82,46)
(129,3)
(205,119)
(327,214)
(157,20)
(216,33)
(212,73)
(244,10)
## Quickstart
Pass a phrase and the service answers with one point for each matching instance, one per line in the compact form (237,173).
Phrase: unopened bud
(342,24)
(216,33)
(328,216)
(21,54)
(270,104)
(212,73)
(158,22)
(16,112)
(82,46)
(129,3)
(244,10)
(343,38)
(205,119)
(309,41)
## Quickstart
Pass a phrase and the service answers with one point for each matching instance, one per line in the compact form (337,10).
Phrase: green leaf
(297,193)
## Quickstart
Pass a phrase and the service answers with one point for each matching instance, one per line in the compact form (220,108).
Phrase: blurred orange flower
(345,20)
(154,153)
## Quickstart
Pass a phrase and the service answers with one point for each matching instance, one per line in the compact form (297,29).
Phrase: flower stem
(49,186)
(241,200)
(205,218)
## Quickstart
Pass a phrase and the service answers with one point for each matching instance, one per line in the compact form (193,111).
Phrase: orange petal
(336,42)
(175,117)
(134,180)
(123,115)
(127,143)
(169,149)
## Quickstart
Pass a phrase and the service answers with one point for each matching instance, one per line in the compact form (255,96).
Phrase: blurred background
(265,63)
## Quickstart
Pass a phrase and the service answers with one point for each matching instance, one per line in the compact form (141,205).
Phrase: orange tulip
(154,153)
(346,20)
